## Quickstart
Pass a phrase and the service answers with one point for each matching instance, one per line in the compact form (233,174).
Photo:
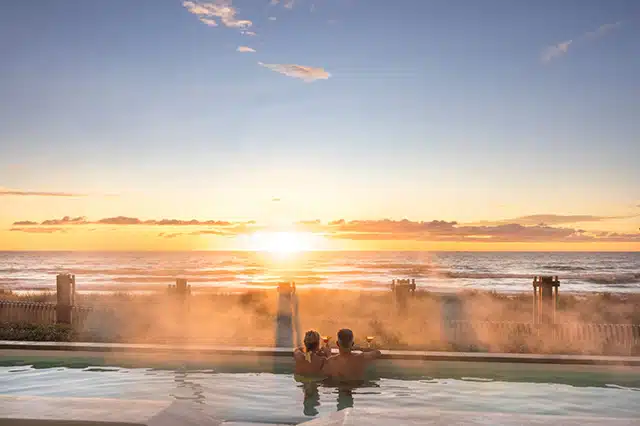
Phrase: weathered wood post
(284,319)
(545,302)
(65,298)
(402,291)
(545,299)
(179,295)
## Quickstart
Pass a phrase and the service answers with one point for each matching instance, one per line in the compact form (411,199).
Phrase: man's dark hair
(345,338)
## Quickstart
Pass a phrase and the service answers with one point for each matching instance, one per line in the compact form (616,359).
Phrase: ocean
(371,271)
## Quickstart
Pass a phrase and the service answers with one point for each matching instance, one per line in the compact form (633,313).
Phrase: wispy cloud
(208,21)
(248,33)
(603,30)
(560,49)
(302,72)
(15,192)
(126,220)
(38,230)
(438,230)
(556,50)
(245,49)
(67,220)
(221,9)
(552,219)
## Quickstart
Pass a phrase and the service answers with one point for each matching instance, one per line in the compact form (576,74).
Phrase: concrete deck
(206,350)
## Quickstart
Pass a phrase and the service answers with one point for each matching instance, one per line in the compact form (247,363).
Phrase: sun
(282,242)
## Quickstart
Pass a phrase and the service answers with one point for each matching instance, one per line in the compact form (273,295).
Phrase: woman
(310,358)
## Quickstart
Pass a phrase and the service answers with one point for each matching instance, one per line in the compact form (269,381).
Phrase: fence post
(65,297)
(402,290)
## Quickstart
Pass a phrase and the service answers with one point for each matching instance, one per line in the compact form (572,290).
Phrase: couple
(312,361)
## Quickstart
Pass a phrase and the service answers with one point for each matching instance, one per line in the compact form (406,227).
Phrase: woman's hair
(311,340)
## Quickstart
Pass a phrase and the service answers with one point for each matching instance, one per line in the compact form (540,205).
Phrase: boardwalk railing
(38,313)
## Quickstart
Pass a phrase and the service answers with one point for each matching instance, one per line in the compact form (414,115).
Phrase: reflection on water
(345,398)
(311,400)
(277,398)
(189,390)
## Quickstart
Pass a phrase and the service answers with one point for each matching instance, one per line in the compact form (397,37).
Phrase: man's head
(345,340)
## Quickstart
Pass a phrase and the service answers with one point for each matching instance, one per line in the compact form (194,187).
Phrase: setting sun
(282,242)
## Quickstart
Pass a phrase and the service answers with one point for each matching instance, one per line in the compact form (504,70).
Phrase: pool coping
(287,352)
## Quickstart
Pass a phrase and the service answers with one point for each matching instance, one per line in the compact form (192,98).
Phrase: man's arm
(371,354)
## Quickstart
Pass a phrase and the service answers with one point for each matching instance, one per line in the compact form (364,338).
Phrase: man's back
(348,366)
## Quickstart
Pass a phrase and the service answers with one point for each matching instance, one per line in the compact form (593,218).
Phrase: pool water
(269,397)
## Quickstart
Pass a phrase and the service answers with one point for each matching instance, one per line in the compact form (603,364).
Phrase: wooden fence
(460,335)
(571,336)
(38,313)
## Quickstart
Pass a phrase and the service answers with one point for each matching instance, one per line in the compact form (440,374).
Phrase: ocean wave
(560,267)
(614,279)
(624,278)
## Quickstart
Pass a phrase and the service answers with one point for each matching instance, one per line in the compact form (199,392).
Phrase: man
(347,366)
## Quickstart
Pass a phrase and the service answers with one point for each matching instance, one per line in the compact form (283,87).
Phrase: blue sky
(433,109)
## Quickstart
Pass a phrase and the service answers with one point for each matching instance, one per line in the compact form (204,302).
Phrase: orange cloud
(38,230)
(371,230)
(553,219)
(15,192)
(303,72)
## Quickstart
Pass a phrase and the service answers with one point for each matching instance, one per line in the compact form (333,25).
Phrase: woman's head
(311,340)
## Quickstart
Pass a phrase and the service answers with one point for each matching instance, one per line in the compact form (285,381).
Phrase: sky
(426,125)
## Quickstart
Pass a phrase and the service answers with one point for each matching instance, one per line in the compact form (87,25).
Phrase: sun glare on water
(282,242)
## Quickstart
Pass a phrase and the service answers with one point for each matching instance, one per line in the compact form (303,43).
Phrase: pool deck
(36,348)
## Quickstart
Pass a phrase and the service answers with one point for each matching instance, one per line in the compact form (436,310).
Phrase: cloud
(302,72)
(221,9)
(556,50)
(245,49)
(272,18)
(451,231)
(249,33)
(80,220)
(553,219)
(603,30)
(120,220)
(125,220)
(14,192)
(38,230)
(533,228)
(208,21)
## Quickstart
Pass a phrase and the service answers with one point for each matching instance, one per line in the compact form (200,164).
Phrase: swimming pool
(278,398)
